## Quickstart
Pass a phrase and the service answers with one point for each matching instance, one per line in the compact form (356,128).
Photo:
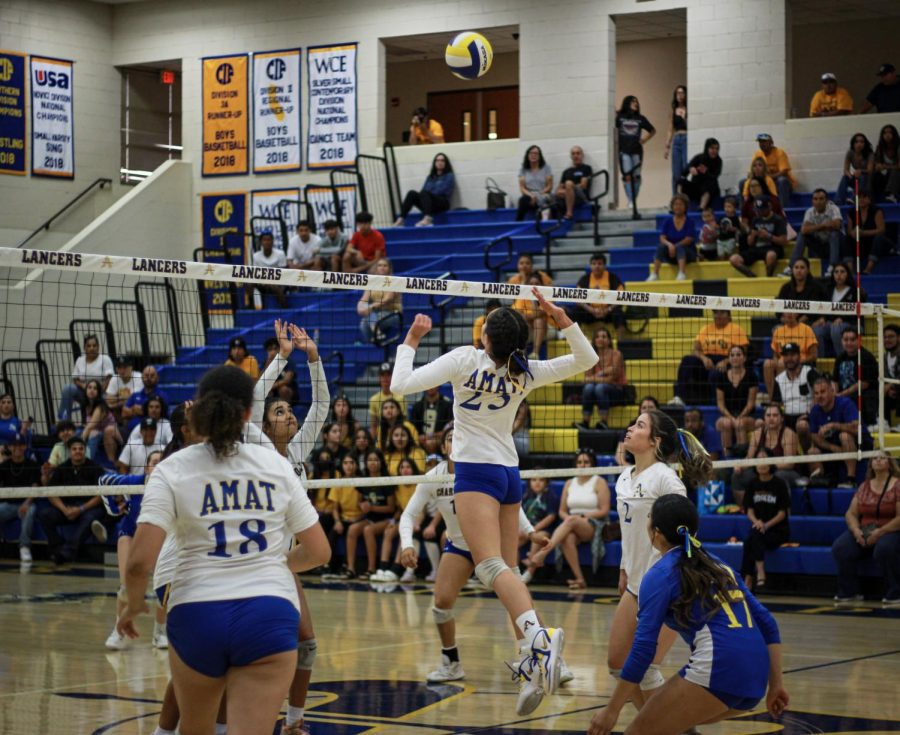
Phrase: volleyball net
(671,345)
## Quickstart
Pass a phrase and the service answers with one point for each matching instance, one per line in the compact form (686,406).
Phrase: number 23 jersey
(230,518)
(634,499)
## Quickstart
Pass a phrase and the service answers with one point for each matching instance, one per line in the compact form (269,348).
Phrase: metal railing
(497,267)
(97,183)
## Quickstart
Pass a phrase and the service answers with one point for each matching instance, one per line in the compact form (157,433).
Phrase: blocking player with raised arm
(734,641)
(653,439)
(233,609)
(488,386)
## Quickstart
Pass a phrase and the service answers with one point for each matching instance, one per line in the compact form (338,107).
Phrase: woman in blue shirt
(435,195)
(676,241)
(734,641)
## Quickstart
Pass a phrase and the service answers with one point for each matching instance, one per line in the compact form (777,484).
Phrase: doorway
(483,114)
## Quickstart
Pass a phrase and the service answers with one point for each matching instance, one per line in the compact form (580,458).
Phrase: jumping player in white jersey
(653,439)
(233,609)
(488,386)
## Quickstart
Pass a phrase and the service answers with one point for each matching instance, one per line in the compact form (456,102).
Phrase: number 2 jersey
(230,519)
(728,648)
(485,397)
(634,499)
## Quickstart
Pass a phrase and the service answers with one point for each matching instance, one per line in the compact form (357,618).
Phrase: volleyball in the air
(469,55)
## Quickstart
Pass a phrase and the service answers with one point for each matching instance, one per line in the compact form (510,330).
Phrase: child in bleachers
(541,507)
(386,571)
(392,416)
(65,430)
(346,510)
(709,236)
(379,503)
(730,230)
(399,446)
(362,443)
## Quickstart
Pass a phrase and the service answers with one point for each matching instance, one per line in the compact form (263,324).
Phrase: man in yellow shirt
(422,129)
(791,331)
(697,371)
(778,166)
(831,100)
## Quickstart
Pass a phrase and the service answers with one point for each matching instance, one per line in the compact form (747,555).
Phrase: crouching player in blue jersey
(734,640)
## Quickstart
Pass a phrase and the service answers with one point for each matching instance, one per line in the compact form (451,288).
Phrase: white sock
(294,714)
(221,728)
(434,554)
(529,624)
(160,731)
(159,628)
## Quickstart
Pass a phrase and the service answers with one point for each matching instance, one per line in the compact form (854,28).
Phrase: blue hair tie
(689,541)
(684,445)
(523,364)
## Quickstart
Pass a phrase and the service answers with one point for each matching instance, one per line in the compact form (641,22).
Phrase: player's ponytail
(680,446)
(702,578)
(224,397)
(507,333)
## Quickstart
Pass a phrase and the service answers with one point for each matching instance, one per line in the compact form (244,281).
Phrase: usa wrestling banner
(276,111)
(321,200)
(12,113)
(52,118)
(332,138)
(226,123)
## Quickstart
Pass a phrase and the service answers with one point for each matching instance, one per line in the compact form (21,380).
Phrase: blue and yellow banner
(222,215)
(226,122)
(12,113)
(276,111)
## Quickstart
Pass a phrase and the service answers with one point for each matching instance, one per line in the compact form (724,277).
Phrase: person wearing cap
(793,390)
(122,385)
(831,100)
(133,410)
(794,332)
(385,372)
(239,357)
(885,96)
(765,240)
(133,458)
(270,257)
(778,166)
(19,470)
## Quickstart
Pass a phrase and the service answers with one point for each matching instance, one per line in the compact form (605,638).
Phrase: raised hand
(557,313)
(302,341)
(285,347)
(419,328)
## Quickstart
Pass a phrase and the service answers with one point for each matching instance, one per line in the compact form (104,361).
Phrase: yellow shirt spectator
(719,340)
(378,399)
(416,454)
(434,128)
(777,161)
(770,185)
(800,334)
(346,502)
(823,103)
(404,495)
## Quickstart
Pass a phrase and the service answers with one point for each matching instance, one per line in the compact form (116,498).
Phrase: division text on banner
(52,119)
(265,204)
(226,121)
(276,111)
(222,215)
(332,106)
(12,113)
(321,200)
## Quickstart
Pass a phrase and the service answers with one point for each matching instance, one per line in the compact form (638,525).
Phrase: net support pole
(859,401)
(882,419)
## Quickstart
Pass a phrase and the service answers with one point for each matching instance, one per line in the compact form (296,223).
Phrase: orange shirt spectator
(831,100)
(718,338)
(777,163)
(800,334)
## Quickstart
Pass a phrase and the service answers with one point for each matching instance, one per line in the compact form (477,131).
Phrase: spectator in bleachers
(365,248)
(709,235)
(891,370)
(700,180)
(285,385)
(424,130)
(831,100)
(385,307)
(886,176)
(711,348)
(841,288)
(748,208)
(758,173)
(833,424)
(538,322)
(820,233)
(708,436)
(362,443)
(92,364)
(793,389)
(388,572)
(604,382)
(155,408)
(535,185)
(583,512)
(399,445)
(392,415)
(885,96)
(65,430)
(799,336)
(736,391)
(239,356)
(630,127)
(600,278)
(332,244)
(574,184)
(133,409)
(873,530)
(268,256)
(873,240)
(331,442)
(676,240)
(778,166)
(342,415)
(859,162)
(78,511)
(677,139)
(100,427)
(323,468)
(385,371)
(845,373)
(11,425)
(731,229)
(765,241)
(347,512)
(378,503)
(133,458)
(303,248)
(541,507)
(19,470)
(430,414)
(434,197)
(521,430)
(525,270)
(622,457)
(767,504)
(122,384)
(778,440)
(802,285)
(489,306)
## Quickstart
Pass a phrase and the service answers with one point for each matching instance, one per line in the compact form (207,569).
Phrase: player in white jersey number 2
(488,386)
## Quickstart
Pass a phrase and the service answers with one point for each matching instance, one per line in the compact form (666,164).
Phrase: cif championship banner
(322,203)
(52,118)
(12,113)
(276,111)
(222,215)
(264,203)
(226,123)
(332,106)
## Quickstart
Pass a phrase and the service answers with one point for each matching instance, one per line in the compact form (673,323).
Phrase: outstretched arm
(304,440)
(407,380)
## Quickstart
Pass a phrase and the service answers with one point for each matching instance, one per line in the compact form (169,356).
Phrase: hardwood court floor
(376,648)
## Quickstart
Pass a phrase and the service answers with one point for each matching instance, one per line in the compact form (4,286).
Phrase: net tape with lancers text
(249,274)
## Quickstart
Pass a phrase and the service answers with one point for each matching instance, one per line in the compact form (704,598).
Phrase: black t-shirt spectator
(845,370)
(885,98)
(629,128)
(614,281)
(774,225)
(377,496)
(813,291)
(24,474)
(431,418)
(87,473)
(576,173)
(538,507)
(736,395)
(766,498)
(713,167)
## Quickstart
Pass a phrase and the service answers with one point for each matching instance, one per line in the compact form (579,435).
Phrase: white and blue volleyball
(469,55)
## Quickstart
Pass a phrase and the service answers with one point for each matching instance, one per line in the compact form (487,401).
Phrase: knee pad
(306,654)
(441,616)
(489,569)
(615,673)
(653,679)
(122,595)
